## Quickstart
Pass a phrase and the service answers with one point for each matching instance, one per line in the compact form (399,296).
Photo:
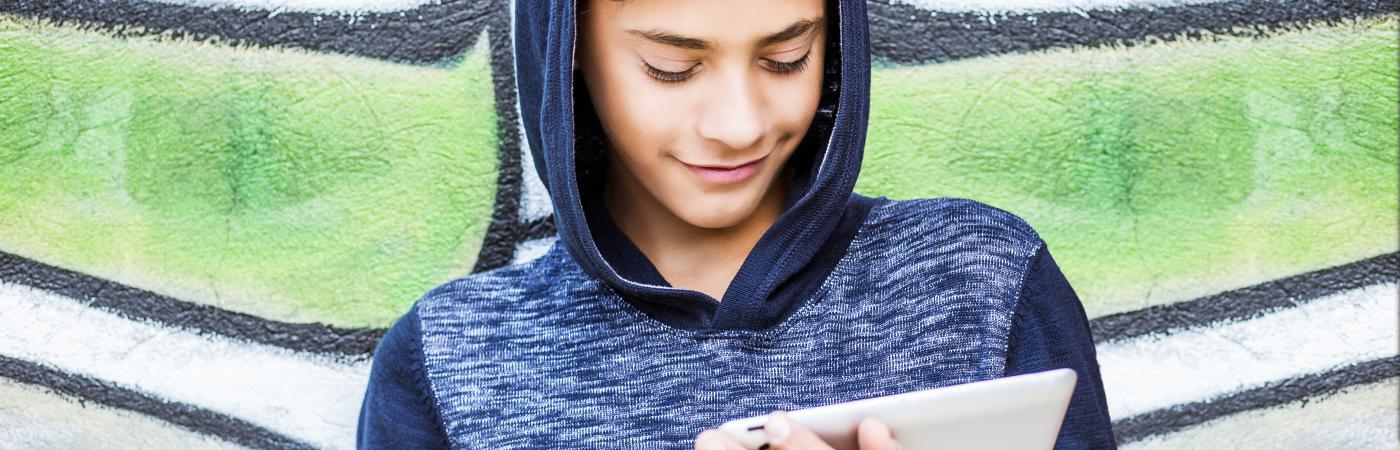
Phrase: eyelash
(792,67)
(668,77)
(783,68)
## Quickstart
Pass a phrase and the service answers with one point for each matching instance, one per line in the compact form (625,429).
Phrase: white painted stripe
(312,6)
(1153,372)
(1035,6)
(32,417)
(531,249)
(303,396)
(535,202)
(1358,417)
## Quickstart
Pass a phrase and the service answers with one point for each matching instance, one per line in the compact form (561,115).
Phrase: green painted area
(1162,172)
(287,184)
(310,187)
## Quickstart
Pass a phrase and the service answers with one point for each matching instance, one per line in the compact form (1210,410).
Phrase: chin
(716,211)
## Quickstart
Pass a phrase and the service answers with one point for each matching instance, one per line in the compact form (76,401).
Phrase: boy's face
(702,101)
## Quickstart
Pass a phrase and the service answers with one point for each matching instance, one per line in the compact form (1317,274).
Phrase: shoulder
(500,291)
(473,313)
(399,351)
(957,263)
(943,212)
(957,250)
(398,408)
(930,224)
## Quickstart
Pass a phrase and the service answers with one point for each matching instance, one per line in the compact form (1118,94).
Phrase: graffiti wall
(211,209)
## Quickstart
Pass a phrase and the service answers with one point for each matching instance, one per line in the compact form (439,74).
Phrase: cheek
(794,104)
(641,110)
(651,118)
(639,117)
(644,121)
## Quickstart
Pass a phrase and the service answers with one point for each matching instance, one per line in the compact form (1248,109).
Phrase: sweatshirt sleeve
(1049,330)
(398,409)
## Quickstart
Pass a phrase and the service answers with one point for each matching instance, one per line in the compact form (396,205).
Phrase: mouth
(722,175)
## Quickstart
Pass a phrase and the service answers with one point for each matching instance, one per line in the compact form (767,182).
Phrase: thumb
(785,434)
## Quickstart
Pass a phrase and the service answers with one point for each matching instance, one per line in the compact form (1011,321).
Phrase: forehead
(723,23)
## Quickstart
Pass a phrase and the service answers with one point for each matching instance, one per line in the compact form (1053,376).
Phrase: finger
(713,439)
(785,434)
(872,434)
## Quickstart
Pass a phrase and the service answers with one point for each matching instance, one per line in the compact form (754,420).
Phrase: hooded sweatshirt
(844,297)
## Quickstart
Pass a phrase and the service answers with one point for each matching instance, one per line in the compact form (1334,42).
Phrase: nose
(735,112)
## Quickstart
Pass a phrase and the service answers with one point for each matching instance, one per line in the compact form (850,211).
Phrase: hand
(785,434)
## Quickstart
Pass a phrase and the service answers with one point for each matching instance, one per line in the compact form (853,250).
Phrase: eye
(669,77)
(791,66)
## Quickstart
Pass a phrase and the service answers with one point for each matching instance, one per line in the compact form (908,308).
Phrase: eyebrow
(667,38)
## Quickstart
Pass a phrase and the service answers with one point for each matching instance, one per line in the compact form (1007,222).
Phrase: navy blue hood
(789,261)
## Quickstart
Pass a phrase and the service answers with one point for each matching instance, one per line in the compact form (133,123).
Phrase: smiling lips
(725,175)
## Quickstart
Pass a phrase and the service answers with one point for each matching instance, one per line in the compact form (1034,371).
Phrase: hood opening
(793,256)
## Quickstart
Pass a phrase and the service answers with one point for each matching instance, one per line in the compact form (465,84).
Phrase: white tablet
(1012,413)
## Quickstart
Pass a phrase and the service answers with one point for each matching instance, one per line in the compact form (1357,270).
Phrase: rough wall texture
(209,209)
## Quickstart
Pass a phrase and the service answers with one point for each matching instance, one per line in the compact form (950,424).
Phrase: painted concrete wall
(210,209)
